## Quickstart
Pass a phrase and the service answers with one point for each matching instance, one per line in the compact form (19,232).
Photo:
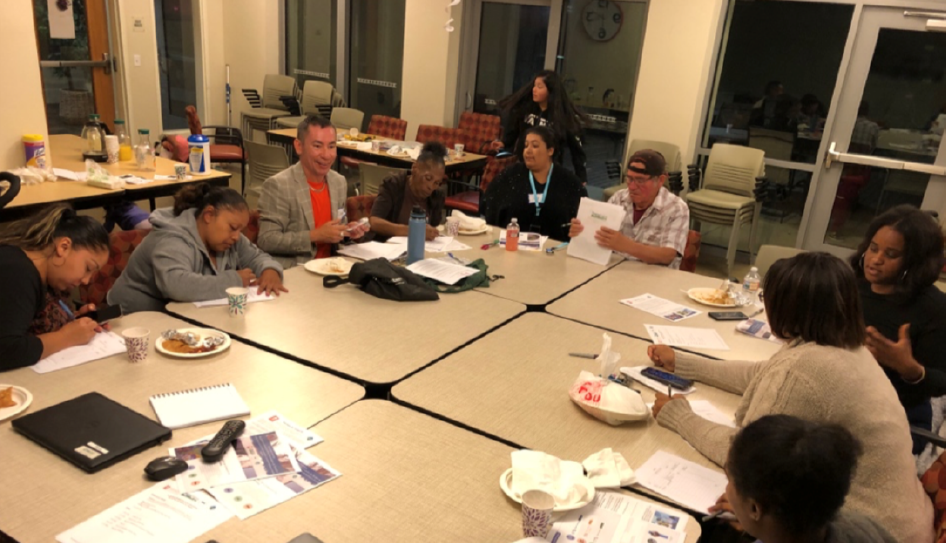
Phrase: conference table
(513,385)
(351,333)
(534,278)
(65,152)
(597,303)
(469,161)
(43,495)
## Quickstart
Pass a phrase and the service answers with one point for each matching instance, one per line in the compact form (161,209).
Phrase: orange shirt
(321,213)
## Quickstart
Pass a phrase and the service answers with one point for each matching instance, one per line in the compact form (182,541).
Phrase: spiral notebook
(199,405)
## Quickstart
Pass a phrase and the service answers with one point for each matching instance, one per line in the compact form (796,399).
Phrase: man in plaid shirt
(655,228)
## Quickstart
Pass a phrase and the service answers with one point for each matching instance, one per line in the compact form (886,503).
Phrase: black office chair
(11,192)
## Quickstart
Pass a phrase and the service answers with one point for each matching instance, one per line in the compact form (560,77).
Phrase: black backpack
(380,278)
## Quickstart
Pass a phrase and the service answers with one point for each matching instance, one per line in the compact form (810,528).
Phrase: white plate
(402,154)
(483,230)
(322,266)
(694,292)
(505,482)
(203,333)
(23,399)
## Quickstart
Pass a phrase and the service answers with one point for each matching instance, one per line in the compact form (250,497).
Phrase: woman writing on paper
(543,197)
(419,187)
(53,249)
(195,253)
(824,374)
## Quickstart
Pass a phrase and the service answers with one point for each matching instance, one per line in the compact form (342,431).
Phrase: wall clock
(602,19)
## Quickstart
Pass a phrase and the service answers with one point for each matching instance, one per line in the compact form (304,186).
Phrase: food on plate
(189,342)
(335,266)
(6,397)
(178,346)
(719,297)
(359,137)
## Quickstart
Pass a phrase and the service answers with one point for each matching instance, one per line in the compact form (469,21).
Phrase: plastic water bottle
(416,235)
(512,235)
(750,284)
(144,152)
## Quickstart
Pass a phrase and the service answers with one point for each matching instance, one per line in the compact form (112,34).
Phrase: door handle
(866,160)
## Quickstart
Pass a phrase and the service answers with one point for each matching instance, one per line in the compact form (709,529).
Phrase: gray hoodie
(173,264)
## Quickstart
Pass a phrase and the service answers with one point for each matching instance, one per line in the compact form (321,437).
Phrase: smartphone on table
(728,315)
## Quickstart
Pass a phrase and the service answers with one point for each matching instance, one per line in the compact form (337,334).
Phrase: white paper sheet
(251,297)
(682,336)
(593,215)
(159,514)
(372,249)
(684,482)
(664,309)
(634,372)
(523,244)
(618,518)
(69,174)
(439,270)
(252,457)
(103,345)
(273,421)
(708,411)
(62,23)
(440,244)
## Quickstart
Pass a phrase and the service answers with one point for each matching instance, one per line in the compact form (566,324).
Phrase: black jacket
(521,119)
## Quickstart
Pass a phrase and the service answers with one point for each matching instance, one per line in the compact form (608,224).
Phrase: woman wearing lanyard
(543,197)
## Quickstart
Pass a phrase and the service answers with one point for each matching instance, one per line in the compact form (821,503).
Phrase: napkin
(413,152)
(468,223)
(608,469)
(535,470)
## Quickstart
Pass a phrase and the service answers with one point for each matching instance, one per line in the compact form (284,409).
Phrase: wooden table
(513,384)
(44,495)
(65,151)
(352,333)
(597,303)
(406,477)
(469,161)
(529,277)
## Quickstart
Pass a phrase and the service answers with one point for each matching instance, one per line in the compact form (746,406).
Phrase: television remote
(218,446)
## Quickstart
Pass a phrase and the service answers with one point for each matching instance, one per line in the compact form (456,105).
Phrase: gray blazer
(286,214)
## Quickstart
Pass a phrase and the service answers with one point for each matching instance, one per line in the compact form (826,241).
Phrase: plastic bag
(604,399)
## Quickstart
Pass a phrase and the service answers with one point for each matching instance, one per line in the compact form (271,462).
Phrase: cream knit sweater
(823,384)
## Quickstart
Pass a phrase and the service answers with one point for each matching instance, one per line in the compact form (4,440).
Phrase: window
(376,53)
(311,40)
(176,60)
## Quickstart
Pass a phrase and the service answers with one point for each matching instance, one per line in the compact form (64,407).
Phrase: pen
(669,391)
(551,250)
(756,313)
(721,515)
(565,225)
(583,355)
(65,308)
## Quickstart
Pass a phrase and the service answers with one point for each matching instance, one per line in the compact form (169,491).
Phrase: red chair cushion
(446,136)
(479,130)
(350,162)
(388,127)
(359,207)
(225,153)
(464,201)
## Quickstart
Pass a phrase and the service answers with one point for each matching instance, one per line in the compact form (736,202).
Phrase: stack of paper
(593,215)
(372,249)
(440,244)
(439,270)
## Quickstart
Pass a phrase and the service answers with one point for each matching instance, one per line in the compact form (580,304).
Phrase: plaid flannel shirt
(664,224)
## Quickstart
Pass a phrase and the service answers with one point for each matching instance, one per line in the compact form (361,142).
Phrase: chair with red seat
(443,134)
(388,127)
(469,201)
(478,131)
(121,244)
(226,142)
(359,207)
(692,251)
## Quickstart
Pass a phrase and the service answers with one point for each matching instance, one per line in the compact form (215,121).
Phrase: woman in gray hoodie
(195,253)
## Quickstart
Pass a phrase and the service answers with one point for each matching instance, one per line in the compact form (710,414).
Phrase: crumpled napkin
(413,152)
(535,470)
(468,223)
(608,469)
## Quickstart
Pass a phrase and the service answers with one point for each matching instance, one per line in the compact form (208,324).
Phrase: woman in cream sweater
(822,374)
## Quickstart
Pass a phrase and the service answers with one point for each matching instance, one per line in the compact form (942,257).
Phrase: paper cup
(136,343)
(537,513)
(111,149)
(458,149)
(452,227)
(236,298)
(180,171)
(375,146)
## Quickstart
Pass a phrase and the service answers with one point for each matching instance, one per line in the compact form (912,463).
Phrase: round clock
(602,19)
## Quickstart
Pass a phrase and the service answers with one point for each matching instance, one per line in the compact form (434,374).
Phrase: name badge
(532,198)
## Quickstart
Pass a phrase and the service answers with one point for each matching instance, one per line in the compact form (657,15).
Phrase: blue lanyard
(535,195)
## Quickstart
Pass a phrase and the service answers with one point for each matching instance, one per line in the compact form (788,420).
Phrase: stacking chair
(729,195)
(265,162)
(316,100)
(359,207)
(768,254)
(226,143)
(275,87)
(372,175)
(478,131)
(388,127)
(346,118)
(469,201)
(121,243)
(446,136)
(670,152)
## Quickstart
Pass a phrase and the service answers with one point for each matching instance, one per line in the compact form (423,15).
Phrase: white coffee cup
(458,149)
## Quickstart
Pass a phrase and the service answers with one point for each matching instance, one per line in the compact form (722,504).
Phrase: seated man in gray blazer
(302,206)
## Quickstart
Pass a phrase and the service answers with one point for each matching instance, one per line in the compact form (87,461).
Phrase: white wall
(676,67)
(251,47)
(21,94)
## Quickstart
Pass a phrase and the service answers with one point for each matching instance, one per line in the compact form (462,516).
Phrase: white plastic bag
(604,399)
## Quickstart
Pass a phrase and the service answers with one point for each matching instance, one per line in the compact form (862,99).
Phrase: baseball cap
(654,163)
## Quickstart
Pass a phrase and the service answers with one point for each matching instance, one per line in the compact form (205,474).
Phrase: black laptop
(92,431)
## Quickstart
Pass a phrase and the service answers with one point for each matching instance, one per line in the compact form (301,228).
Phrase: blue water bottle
(416,235)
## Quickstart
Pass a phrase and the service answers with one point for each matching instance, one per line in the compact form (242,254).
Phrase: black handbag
(382,279)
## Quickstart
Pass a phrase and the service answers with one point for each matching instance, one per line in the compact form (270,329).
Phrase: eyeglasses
(761,296)
(638,179)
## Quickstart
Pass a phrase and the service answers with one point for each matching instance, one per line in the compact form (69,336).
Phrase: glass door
(510,41)
(884,144)
(75,63)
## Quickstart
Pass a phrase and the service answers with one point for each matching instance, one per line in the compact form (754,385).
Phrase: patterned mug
(452,228)
(136,342)
(537,509)
(236,298)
